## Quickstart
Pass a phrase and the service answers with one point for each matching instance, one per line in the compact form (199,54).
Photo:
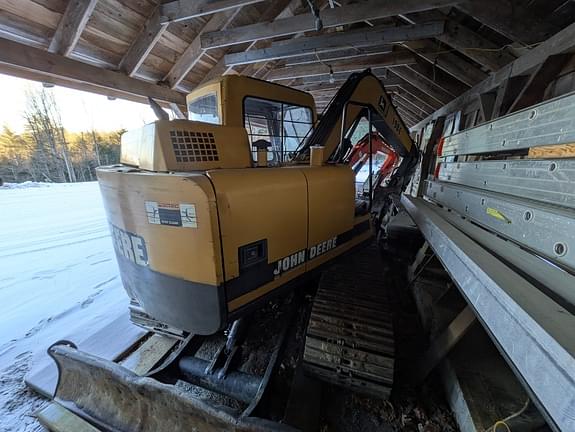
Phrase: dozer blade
(112,397)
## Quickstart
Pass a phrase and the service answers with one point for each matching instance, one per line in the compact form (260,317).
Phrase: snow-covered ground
(57,274)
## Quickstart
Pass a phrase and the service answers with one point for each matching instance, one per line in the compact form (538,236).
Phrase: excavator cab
(278,115)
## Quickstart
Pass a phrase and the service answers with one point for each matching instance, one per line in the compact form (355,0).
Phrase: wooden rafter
(71,26)
(335,41)
(338,55)
(422,84)
(373,9)
(18,57)
(374,62)
(465,40)
(437,77)
(562,42)
(158,22)
(184,9)
(454,65)
(510,19)
(273,11)
(190,57)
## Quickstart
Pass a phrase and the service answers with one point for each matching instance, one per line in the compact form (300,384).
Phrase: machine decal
(302,256)
(179,215)
(290,262)
(129,245)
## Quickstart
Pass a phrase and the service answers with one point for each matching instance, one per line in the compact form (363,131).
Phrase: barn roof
(427,52)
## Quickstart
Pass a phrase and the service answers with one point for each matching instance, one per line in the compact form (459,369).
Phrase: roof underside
(427,52)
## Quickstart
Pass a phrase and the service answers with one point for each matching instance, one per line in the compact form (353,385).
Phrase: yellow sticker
(497,215)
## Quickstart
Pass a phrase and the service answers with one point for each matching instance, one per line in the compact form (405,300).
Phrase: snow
(58,277)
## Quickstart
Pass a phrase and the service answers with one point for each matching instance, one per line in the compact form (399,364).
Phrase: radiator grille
(194,146)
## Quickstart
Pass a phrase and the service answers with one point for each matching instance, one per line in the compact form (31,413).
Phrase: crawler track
(349,340)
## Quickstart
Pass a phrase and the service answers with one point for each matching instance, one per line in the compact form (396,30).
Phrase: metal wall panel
(547,230)
(550,122)
(551,181)
(534,333)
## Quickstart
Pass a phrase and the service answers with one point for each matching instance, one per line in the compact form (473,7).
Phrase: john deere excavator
(212,216)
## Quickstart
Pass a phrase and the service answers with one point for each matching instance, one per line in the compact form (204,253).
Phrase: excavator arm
(362,95)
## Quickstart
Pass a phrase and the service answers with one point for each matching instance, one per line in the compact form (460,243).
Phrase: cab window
(283,125)
(204,109)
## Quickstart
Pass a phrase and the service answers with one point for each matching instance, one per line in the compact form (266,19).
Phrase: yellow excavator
(253,194)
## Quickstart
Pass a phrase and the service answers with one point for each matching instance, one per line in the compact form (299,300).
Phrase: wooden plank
(56,418)
(476,47)
(510,19)
(273,11)
(552,151)
(564,41)
(194,52)
(339,54)
(374,62)
(71,26)
(143,44)
(406,99)
(437,77)
(184,9)
(110,342)
(372,9)
(506,94)
(27,58)
(422,84)
(457,67)
(487,104)
(466,41)
(413,112)
(337,40)
(445,342)
(538,81)
(142,360)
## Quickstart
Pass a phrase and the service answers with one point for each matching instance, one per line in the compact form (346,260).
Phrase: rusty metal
(112,397)
(349,340)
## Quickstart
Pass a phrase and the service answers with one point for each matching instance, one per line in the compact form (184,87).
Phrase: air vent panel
(194,146)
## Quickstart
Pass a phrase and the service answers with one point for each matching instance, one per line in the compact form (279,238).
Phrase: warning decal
(179,215)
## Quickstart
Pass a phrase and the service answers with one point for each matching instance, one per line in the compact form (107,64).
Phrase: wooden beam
(337,55)
(465,40)
(374,62)
(476,47)
(449,62)
(372,9)
(336,41)
(194,51)
(178,10)
(487,104)
(562,42)
(143,44)
(534,89)
(19,57)
(274,10)
(422,84)
(181,10)
(510,19)
(407,108)
(506,94)
(71,26)
(406,116)
(418,95)
(437,77)
(409,101)
(444,343)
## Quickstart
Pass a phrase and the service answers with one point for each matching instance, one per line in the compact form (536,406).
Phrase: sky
(80,111)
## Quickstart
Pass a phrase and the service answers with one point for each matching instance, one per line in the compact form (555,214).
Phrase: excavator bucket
(112,397)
